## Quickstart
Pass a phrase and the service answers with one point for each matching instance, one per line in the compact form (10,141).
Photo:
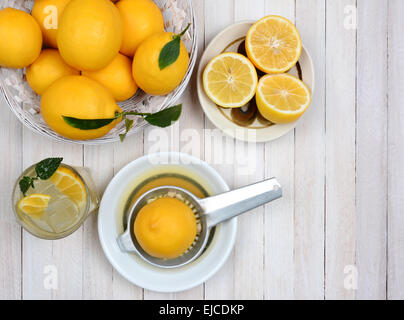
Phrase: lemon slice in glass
(34,205)
(273,44)
(230,80)
(71,185)
(282,98)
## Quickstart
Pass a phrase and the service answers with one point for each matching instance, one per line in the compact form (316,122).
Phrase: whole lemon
(146,70)
(116,77)
(48,68)
(47,13)
(89,34)
(20,38)
(141,18)
(165,228)
(82,98)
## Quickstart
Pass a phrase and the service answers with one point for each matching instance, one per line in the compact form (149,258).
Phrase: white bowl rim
(231,225)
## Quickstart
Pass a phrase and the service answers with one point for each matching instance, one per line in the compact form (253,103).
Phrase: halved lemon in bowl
(273,44)
(34,205)
(282,98)
(71,185)
(230,80)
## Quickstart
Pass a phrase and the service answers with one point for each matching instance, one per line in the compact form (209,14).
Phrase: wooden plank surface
(340,223)
(340,149)
(395,254)
(371,150)
(10,232)
(279,161)
(309,180)
(217,16)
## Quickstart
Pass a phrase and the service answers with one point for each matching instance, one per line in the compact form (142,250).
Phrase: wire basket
(26,104)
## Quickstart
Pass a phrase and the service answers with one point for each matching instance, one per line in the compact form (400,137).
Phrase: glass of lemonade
(56,207)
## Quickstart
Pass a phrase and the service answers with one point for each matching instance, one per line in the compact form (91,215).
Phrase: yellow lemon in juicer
(47,13)
(165,228)
(89,34)
(20,38)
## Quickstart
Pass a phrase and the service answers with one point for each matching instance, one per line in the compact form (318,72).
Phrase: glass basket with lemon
(66,80)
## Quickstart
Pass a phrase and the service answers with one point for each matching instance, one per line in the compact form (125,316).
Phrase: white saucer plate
(132,267)
(212,111)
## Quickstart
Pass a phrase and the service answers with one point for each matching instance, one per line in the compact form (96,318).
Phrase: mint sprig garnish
(160,119)
(171,51)
(44,170)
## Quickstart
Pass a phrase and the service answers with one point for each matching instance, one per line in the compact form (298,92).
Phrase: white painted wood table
(342,216)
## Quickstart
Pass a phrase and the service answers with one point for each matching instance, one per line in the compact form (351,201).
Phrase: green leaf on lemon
(128,125)
(171,51)
(166,117)
(161,119)
(87,124)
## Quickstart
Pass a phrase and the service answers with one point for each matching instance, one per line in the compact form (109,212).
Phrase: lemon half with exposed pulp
(282,98)
(34,205)
(273,44)
(230,80)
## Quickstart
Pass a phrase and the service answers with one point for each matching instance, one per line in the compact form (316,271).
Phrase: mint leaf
(25,183)
(166,117)
(46,168)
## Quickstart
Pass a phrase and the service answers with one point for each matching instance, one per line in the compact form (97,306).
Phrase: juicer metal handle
(125,242)
(233,203)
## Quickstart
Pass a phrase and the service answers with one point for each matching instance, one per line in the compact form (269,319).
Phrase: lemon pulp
(282,98)
(230,80)
(273,44)
(34,205)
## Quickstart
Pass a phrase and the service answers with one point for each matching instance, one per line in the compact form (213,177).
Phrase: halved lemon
(273,44)
(34,205)
(282,98)
(71,185)
(230,80)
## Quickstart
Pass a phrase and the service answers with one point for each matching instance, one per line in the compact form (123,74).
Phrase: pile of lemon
(83,56)
(273,46)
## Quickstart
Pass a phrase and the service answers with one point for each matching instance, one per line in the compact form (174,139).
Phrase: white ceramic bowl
(132,267)
(216,46)
(25,104)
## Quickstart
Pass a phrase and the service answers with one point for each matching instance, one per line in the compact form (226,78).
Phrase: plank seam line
(356,132)
(325,157)
(388,18)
